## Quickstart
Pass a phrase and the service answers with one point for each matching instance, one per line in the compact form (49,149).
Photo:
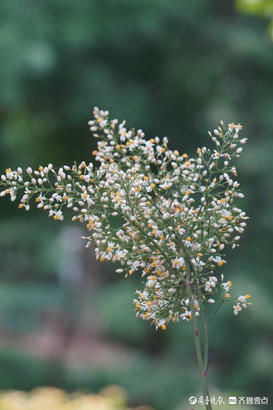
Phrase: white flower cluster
(152,209)
(242,302)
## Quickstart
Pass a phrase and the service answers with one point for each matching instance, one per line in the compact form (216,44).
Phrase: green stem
(202,363)
(206,342)
(217,308)
(203,320)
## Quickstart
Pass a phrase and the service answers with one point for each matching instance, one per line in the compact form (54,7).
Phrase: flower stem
(202,362)
(202,317)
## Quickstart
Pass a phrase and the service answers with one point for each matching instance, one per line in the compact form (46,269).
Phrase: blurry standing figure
(71,257)
(72,280)
(79,274)
(78,277)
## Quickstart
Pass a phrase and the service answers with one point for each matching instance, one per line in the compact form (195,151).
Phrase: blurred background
(172,68)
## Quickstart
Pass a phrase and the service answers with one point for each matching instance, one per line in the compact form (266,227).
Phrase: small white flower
(177,263)
(236,309)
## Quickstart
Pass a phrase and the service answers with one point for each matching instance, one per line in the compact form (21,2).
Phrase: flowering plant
(176,216)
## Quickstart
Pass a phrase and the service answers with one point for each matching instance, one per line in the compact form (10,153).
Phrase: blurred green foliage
(15,365)
(262,8)
(172,68)
(22,307)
